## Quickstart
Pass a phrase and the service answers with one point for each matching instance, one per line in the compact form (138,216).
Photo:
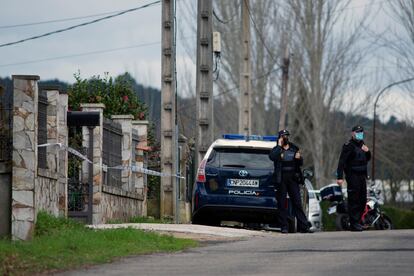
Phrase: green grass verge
(64,244)
(328,221)
(401,218)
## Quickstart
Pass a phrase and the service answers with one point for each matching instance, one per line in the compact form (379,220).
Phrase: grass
(401,218)
(61,244)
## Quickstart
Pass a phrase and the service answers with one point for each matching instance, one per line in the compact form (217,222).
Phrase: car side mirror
(308,173)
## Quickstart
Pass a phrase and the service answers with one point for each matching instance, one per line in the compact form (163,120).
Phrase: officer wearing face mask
(287,162)
(353,161)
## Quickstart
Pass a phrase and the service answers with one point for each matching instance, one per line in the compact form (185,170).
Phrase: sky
(131,42)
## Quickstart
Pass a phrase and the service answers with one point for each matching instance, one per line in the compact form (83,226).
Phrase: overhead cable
(80,25)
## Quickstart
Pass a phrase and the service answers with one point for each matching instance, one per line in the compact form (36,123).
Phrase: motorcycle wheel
(384,223)
(342,222)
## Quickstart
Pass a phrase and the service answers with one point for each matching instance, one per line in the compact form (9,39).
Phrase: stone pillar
(125,122)
(141,179)
(62,109)
(97,160)
(52,93)
(24,165)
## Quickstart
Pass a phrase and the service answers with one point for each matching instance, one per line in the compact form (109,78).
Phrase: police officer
(287,162)
(353,160)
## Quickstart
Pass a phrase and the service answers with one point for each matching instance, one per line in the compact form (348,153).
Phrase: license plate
(332,210)
(254,183)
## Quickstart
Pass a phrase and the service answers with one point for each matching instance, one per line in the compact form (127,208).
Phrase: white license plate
(254,183)
(332,210)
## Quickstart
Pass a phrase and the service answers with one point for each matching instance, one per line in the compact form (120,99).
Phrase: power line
(235,87)
(81,54)
(260,35)
(222,21)
(81,25)
(57,20)
(86,53)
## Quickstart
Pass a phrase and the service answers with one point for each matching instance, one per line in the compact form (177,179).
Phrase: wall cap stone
(122,117)
(139,122)
(53,87)
(92,105)
(26,77)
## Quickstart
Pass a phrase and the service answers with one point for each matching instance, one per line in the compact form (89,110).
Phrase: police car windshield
(241,158)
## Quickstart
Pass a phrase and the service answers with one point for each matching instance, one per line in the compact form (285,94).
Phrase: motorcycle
(372,217)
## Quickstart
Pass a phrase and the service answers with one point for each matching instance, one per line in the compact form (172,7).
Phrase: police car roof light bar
(269,138)
(233,136)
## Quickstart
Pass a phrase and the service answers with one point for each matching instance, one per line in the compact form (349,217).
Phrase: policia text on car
(353,161)
(287,175)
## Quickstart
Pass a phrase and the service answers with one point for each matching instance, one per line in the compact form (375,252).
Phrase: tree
(326,53)
(117,95)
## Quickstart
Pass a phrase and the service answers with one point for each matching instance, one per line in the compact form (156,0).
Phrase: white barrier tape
(105,167)
(145,171)
(50,144)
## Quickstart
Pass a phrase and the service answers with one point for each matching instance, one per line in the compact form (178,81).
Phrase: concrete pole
(245,124)
(204,79)
(168,109)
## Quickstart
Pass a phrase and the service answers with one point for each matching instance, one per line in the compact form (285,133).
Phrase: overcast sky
(129,30)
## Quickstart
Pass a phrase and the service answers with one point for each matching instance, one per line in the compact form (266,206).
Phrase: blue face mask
(359,136)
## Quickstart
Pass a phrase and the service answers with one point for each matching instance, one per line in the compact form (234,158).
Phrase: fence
(112,152)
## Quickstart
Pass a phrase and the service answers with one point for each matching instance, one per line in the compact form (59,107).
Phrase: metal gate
(80,172)
(6,147)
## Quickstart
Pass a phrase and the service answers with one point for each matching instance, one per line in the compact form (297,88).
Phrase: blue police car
(234,182)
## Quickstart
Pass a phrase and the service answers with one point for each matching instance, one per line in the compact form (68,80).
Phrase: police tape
(119,167)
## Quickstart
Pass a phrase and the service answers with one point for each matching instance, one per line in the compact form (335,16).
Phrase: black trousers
(357,196)
(290,186)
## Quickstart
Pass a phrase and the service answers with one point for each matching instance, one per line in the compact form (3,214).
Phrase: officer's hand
(339,182)
(365,148)
(297,155)
(280,141)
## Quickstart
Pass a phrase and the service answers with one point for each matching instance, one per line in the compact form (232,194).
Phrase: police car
(234,182)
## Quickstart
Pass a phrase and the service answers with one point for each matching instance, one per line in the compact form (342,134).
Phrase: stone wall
(47,192)
(118,204)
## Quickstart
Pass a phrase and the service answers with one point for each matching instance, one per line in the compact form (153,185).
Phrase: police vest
(359,161)
(288,160)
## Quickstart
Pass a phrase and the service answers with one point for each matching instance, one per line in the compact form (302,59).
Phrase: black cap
(283,132)
(358,128)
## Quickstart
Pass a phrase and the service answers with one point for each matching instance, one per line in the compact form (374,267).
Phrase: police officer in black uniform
(287,175)
(353,160)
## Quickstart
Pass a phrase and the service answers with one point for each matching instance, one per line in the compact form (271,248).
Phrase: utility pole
(168,111)
(284,95)
(204,79)
(245,122)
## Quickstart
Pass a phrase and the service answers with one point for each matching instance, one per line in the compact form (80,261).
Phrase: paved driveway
(334,253)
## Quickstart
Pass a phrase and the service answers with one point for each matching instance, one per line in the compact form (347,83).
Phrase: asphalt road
(329,253)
